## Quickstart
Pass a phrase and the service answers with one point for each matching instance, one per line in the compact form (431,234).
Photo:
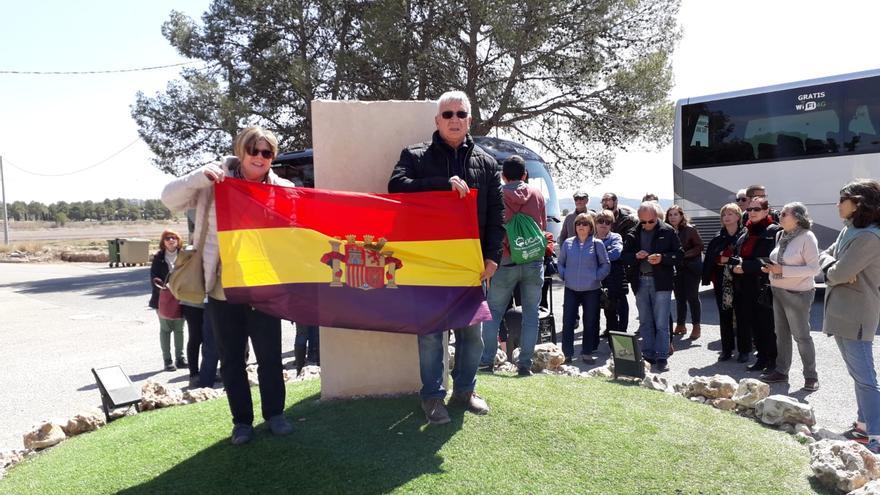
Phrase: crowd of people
(761,265)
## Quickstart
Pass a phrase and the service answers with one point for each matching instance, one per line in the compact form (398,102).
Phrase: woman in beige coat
(793,264)
(234,324)
(852,299)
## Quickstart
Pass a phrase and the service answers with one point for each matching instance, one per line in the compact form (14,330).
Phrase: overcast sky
(61,124)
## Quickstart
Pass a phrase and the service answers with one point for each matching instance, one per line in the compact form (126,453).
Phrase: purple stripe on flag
(407,309)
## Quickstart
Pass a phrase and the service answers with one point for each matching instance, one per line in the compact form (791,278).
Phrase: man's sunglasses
(649,222)
(267,154)
(449,113)
(741,200)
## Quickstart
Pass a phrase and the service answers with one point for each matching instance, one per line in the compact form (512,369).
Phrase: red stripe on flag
(437,215)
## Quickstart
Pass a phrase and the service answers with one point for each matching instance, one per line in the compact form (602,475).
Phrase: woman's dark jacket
(428,167)
(615,282)
(752,277)
(159,269)
(664,242)
(721,241)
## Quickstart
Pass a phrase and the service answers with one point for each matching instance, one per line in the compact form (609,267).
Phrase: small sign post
(627,355)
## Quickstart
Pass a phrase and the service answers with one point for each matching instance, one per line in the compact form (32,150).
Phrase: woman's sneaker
(873,446)
(856,433)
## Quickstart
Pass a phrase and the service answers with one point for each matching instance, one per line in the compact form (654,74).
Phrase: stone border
(49,433)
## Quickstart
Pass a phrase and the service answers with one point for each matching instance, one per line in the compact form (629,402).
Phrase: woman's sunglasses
(604,221)
(170,238)
(267,154)
(754,209)
(449,113)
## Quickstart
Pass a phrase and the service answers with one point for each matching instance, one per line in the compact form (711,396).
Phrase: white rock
(846,466)
(787,428)
(547,356)
(253,378)
(156,396)
(85,421)
(712,387)
(43,436)
(655,382)
(601,372)
(565,369)
(870,488)
(451,356)
(121,413)
(750,391)
(779,409)
(506,367)
(9,458)
(802,428)
(698,398)
(200,395)
(724,404)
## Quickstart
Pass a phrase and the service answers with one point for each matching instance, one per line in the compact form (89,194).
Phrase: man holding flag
(453,161)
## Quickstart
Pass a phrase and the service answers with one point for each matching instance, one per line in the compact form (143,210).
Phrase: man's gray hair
(454,96)
(652,206)
(799,211)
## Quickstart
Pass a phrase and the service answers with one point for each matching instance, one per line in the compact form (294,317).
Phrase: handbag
(187,281)
(169,306)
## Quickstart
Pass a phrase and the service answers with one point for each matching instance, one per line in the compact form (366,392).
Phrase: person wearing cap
(581,199)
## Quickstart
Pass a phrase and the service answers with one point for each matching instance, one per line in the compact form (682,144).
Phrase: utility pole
(5,216)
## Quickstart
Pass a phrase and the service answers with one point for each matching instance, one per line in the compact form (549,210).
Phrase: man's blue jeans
(654,312)
(468,348)
(859,359)
(530,278)
(571,304)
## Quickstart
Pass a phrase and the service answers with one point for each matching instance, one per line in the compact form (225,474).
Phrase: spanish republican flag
(405,263)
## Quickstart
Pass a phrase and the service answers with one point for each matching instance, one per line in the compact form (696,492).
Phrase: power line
(87,72)
(41,174)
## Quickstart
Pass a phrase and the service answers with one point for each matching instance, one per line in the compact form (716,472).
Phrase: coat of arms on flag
(367,265)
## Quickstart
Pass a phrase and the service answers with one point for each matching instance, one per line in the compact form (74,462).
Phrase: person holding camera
(792,265)
(752,297)
(718,272)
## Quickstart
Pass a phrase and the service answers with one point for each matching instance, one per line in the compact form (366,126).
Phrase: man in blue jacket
(652,253)
(451,160)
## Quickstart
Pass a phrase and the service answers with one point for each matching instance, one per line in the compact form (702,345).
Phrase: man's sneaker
(181,363)
(811,384)
(486,368)
(773,377)
(280,425)
(661,366)
(242,434)
(873,446)
(523,371)
(856,433)
(194,381)
(471,400)
(169,366)
(435,411)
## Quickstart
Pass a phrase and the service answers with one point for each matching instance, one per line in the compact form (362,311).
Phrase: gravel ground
(60,320)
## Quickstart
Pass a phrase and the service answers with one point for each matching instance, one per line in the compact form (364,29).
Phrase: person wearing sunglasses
(234,324)
(452,161)
(652,253)
(852,300)
(751,192)
(792,265)
(752,296)
(162,265)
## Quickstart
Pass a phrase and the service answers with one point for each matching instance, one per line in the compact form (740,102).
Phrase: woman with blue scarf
(852,299)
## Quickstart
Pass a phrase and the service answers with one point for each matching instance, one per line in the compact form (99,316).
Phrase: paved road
(57,321)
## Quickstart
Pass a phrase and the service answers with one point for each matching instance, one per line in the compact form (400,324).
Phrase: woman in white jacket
(233,324)
(793,264)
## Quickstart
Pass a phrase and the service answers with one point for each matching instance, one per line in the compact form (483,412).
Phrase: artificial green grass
(545,434)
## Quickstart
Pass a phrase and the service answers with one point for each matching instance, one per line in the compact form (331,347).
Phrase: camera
(734,261)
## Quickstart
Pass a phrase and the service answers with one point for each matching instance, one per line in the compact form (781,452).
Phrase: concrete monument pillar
(356,145)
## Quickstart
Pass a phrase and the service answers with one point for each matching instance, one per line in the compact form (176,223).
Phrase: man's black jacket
(665,242)
(428,167)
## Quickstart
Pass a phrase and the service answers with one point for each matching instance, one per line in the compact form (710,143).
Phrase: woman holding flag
(233,324)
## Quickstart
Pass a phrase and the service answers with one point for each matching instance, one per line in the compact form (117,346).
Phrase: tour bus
(298,167)
(802,140)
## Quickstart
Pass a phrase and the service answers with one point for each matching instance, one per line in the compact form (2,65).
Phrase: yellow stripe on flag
(259,257)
